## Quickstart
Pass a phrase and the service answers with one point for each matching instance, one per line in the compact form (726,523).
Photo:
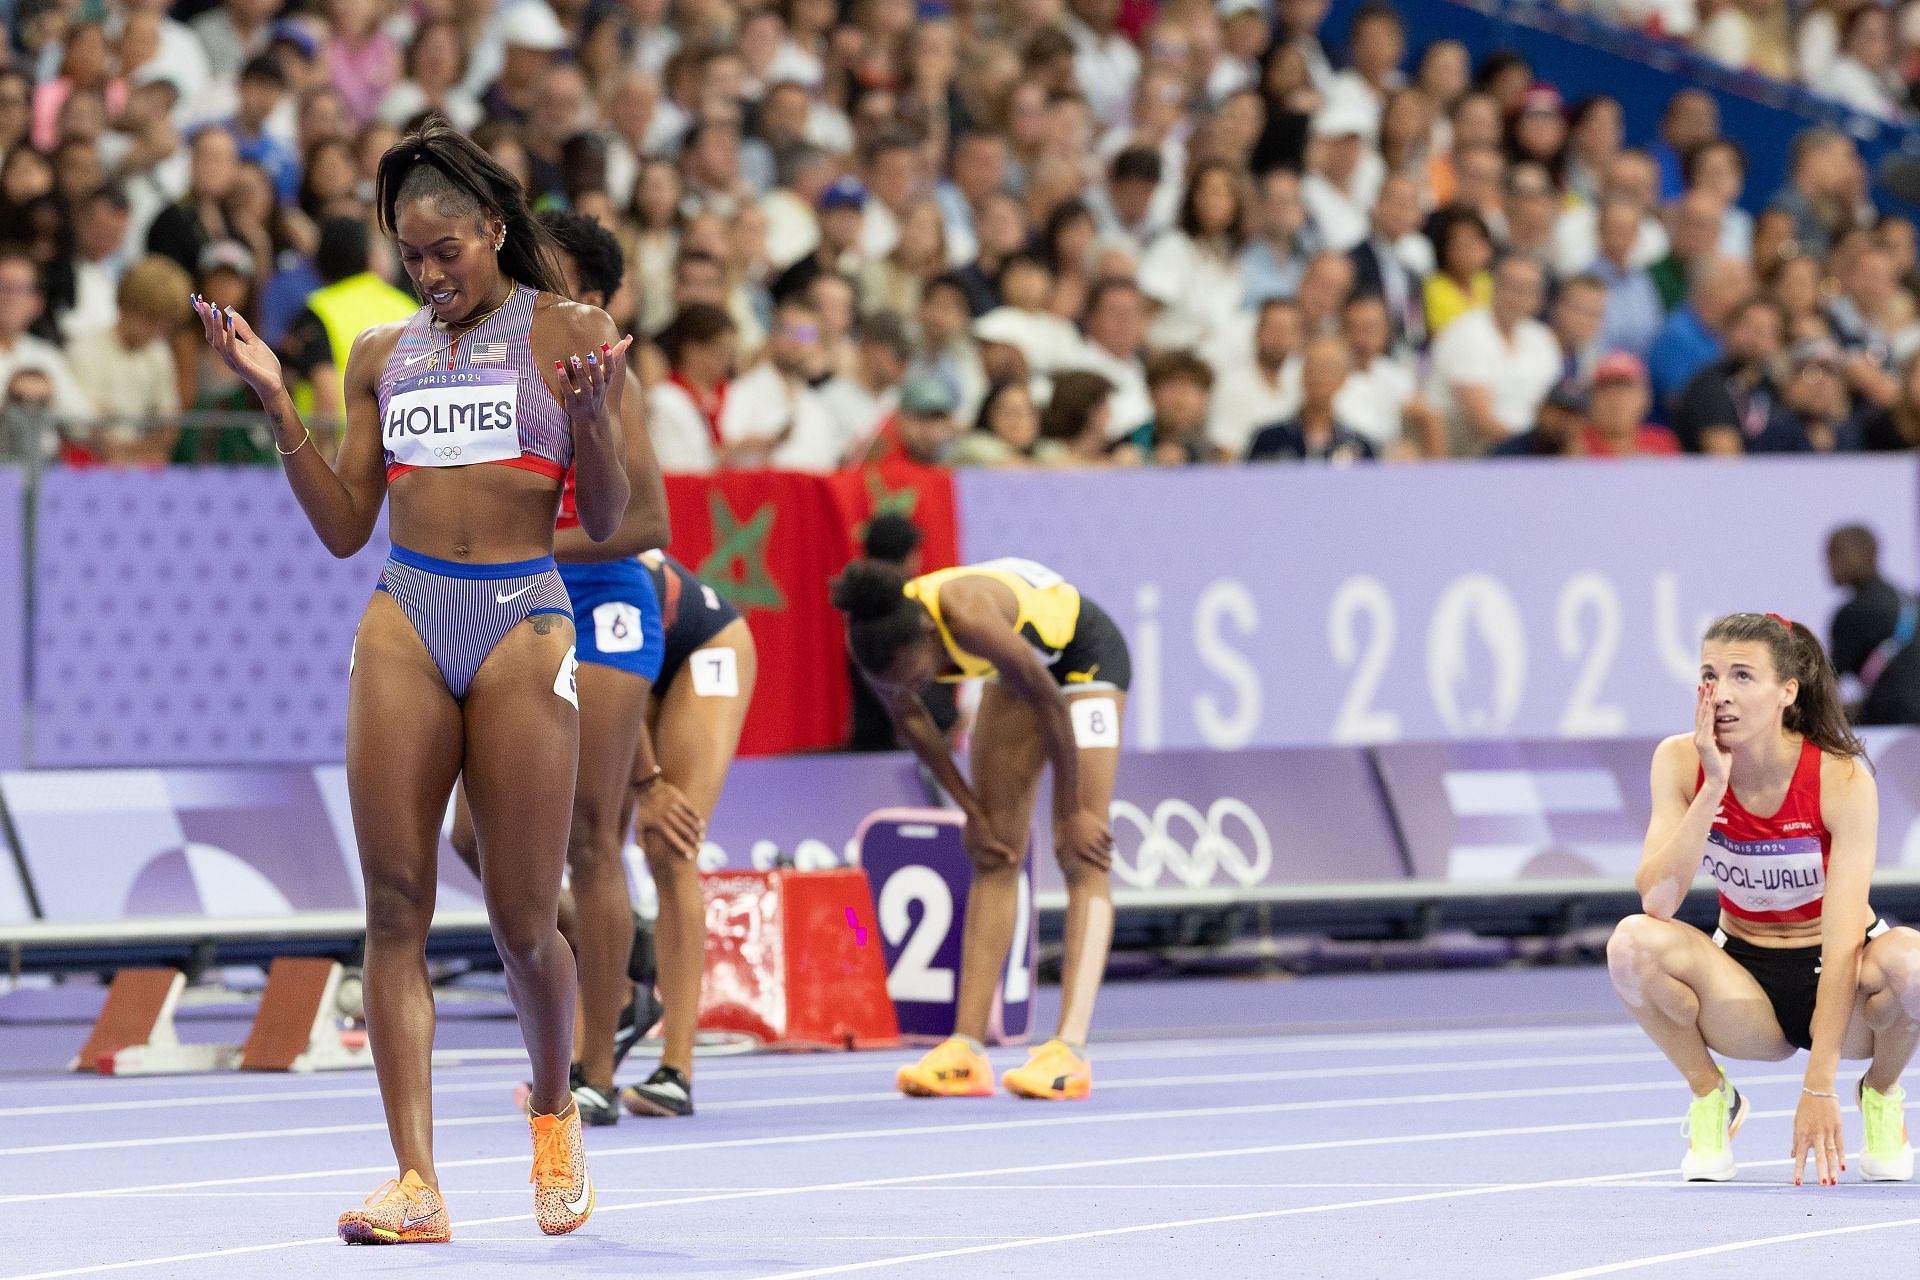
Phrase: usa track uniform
(477,399)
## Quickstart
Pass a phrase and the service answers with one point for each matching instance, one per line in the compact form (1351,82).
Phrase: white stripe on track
(848,1135)
(908,1180)
(874,1066)
(891,1099)
(1708,1251)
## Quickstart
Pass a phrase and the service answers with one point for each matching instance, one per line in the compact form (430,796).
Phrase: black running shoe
(635,1025)
(664,1093)
(597,1106)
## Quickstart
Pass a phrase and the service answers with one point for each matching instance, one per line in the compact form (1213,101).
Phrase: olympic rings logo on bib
(448,452)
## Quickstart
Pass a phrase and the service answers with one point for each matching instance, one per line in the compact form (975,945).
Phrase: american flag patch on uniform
(487,353)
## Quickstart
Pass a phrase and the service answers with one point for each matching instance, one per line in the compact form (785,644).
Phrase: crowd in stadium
(1052,232)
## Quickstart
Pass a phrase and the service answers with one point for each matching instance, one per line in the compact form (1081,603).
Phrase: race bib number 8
(1096,722)
(616,628)
(716,673)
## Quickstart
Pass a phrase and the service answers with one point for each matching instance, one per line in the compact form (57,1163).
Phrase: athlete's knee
(593,846)
(1083,875)
(521,936)
(671,872)
(1637,952)
(399,910)
(1890,974)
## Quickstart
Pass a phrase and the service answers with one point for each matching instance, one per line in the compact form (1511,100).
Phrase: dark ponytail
(881,620)
(437,160)
(1817,713)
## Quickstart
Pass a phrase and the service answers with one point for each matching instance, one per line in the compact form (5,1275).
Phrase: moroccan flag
(770,541)
(897,486)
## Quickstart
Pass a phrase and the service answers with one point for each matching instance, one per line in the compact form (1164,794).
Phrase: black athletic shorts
(1789,975)
(1096,657)
(691,613)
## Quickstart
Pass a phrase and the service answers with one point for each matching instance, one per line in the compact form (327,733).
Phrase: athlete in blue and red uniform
(1772,796)
(464,659)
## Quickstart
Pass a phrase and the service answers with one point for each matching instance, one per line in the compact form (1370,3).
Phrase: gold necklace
(467,327)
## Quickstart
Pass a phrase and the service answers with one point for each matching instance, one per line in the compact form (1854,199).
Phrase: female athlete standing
(1772,789)
(619,648)
(464,657)
(699,706)
(1057,671)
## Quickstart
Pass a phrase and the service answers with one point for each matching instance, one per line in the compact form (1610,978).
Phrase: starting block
(919,864)
(297,1027)
(134,1034)
(793,960)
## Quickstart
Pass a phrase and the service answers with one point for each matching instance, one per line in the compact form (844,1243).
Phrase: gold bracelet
(304,442)
(1815,1093)
(641,784)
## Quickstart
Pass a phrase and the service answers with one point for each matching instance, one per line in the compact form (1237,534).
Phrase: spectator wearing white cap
(1493,366)
(1191,273)
(530,36)
(1343,176)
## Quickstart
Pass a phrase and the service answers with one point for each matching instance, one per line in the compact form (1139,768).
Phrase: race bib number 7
(716,673)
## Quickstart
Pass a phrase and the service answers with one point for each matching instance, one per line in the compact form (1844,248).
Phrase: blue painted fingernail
(590,358)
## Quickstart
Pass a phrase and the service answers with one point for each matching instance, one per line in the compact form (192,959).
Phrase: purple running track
(1493,1124)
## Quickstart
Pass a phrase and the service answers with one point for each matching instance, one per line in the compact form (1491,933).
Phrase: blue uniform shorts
(616,615)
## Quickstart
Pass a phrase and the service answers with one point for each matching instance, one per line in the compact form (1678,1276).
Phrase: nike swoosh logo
(408,1221)
(500,599)
(411,361)
(577,1207)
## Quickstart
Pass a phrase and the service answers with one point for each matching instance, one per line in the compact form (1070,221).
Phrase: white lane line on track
(789,1066)
(889,1099)
(180,1188)
(1300,1211)
(1708,1251)
(805,1100)
(907,1180)
(875,1066)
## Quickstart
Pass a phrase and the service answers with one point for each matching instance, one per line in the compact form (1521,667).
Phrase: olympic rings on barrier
(1212,848)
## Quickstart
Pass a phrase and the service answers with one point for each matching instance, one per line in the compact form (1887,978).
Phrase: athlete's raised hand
(1816,1128)
(590,384)
(1083,836)
(1715,760)
(663,814)
(239,348)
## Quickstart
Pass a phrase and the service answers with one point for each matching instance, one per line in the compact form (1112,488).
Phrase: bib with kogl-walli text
(452,418)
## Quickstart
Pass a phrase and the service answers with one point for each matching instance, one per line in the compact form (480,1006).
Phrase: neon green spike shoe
(1711,1123)
(1887,1157)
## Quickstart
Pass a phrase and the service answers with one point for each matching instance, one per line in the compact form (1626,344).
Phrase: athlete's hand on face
(590,383)
(239,348)
(1816,1128)
(1715,760)
(985,849)
(663,814)
(1082,836)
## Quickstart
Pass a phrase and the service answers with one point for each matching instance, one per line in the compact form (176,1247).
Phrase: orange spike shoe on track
(562,1191)
(403,1211)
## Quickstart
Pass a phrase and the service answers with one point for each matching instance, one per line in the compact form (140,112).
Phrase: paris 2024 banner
(1288,606)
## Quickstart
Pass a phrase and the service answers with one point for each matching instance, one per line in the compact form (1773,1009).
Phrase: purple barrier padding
(1284,606)
(1239,820)
(189,616)
(13,618)
(110,844)
(918,867)
(1523,810)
